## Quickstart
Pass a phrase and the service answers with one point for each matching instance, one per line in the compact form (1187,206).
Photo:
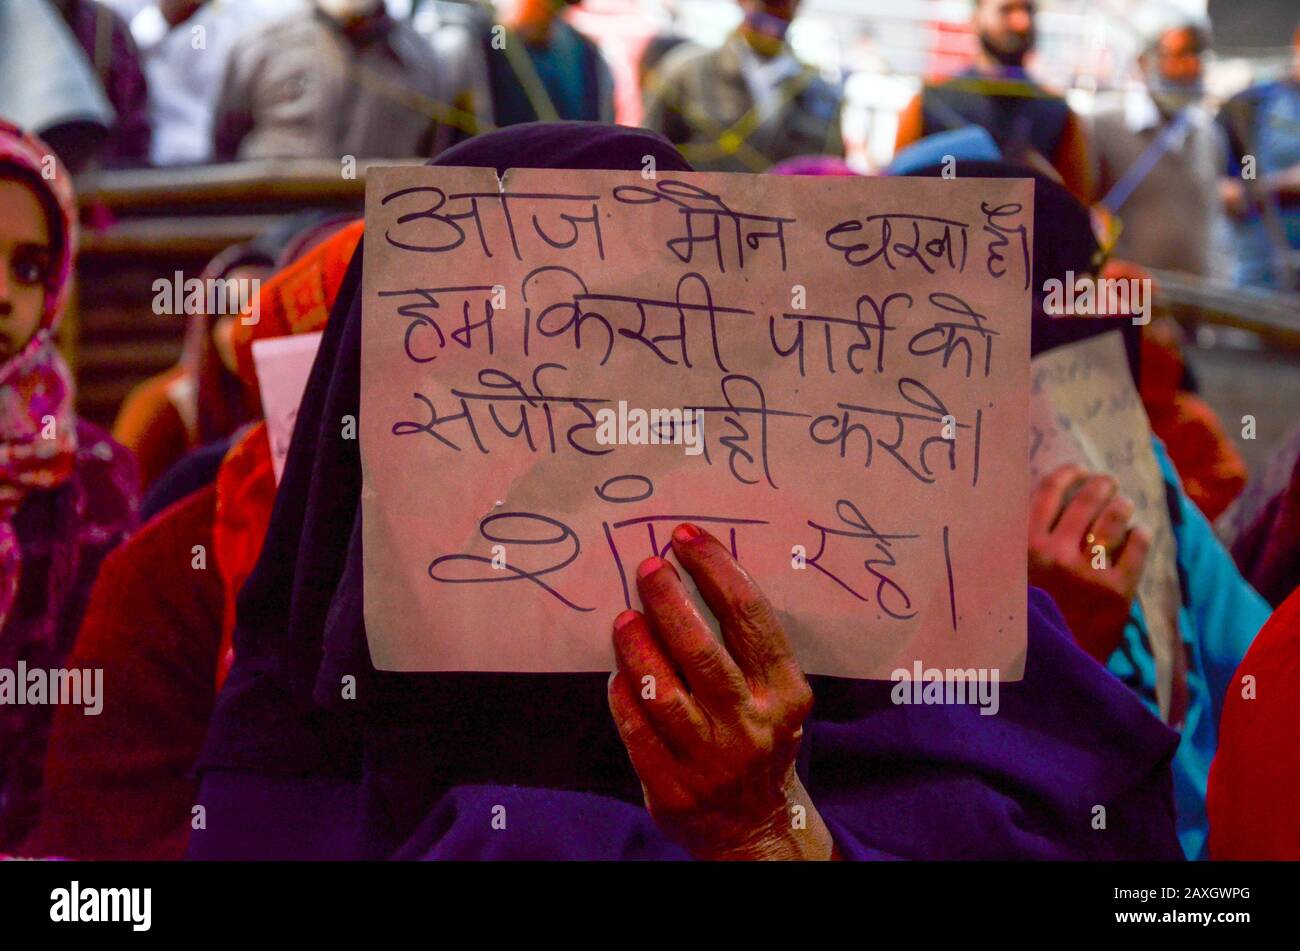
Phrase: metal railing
(1196,302)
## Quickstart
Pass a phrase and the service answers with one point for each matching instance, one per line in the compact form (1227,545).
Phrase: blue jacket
(1219,617)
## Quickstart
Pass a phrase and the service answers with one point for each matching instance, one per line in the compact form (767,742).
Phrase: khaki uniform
(299,88)
(703,102)
(1169,220)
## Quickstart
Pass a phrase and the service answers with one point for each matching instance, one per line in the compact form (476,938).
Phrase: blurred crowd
(128,83)
(217,701)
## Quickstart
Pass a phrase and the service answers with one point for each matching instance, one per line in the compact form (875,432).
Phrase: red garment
(149,423)
(1212,471)
(298,299)
(1254,789)
(117,785)
(245,497)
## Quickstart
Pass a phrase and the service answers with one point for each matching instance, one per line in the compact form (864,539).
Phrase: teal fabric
(574,76)
(560,67)
(1220,616)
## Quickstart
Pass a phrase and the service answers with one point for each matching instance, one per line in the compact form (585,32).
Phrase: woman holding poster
(315,753)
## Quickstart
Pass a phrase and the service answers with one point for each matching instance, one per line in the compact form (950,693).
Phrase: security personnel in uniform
(749,104)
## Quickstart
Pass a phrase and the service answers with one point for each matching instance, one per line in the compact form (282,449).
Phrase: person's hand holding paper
(713,730)
(1085,553)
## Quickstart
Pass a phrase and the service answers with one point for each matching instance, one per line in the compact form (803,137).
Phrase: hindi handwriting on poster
(830,375)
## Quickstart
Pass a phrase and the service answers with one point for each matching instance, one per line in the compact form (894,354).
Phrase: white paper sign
(1086,410)
(536,349)
(283,365)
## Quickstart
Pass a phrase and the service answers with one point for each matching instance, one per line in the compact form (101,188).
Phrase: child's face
(26,257)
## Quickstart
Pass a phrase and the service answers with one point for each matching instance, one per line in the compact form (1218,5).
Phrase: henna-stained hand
(713,731)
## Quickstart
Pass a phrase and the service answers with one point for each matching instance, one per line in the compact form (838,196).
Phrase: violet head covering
(815,165)
(410,765)
(1064,248)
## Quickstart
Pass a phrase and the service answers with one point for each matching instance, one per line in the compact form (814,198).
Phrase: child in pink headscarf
(68,493)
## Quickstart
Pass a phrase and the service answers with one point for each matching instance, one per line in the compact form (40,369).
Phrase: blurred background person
(185,45)
(1263,128)
(1212,471)
(1159,153)
(652,55)
(1159,159)
(343,79)
(1263,526)
(106,41)
(1029,123)
(47,84)
(748,104)
(542,69)
(201,399)
(455,30)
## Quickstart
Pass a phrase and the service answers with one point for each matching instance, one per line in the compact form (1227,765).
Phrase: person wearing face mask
(750,103)
(1159,155)
(344,78)
(1029,123)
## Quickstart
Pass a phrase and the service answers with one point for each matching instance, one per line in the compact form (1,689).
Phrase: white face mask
(348,9)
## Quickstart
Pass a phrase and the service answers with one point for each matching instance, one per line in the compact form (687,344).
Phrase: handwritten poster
(1086,410)
(830,375)
(283,365)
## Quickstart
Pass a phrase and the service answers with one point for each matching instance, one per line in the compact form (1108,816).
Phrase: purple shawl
(414,766)
(64,533)
(64,502)
(1263,525)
